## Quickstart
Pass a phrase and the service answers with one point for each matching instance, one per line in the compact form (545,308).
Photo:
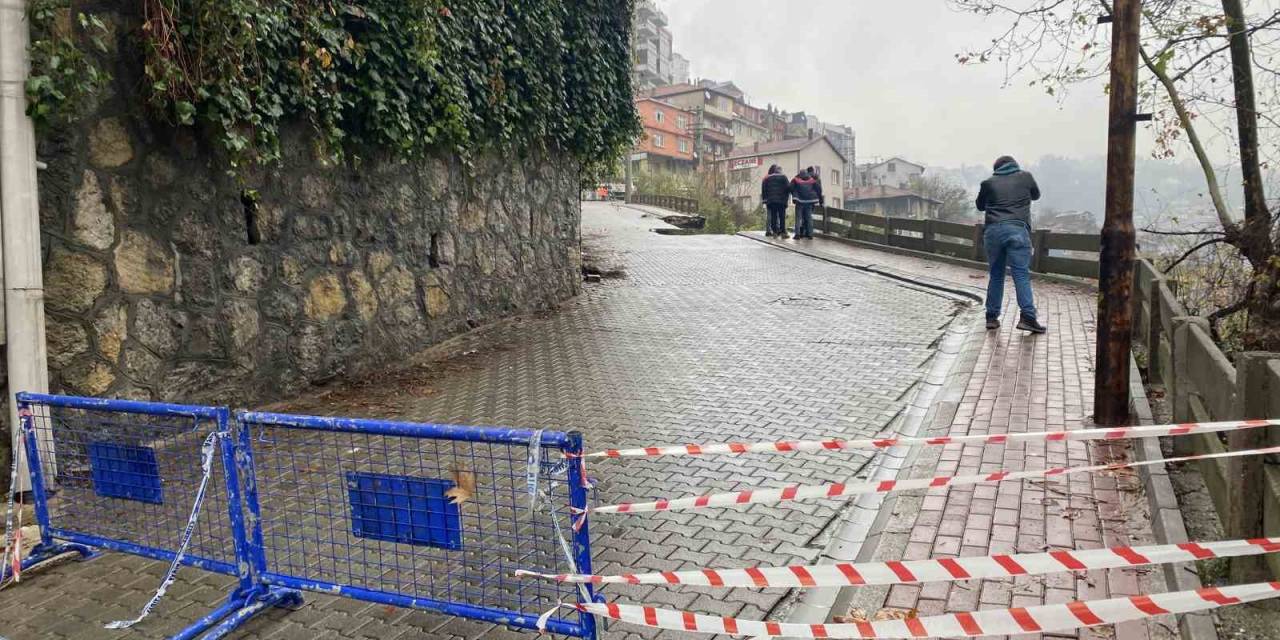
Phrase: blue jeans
(777,218)
(804,220)
(1009,243)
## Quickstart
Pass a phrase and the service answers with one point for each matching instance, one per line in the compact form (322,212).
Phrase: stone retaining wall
(162,283)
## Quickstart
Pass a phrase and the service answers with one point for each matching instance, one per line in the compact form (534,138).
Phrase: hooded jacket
(1007,195)
(774,189)
(805,189)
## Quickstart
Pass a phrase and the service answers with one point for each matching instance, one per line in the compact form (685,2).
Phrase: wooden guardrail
(960,240)
(674,203)
(1204,385)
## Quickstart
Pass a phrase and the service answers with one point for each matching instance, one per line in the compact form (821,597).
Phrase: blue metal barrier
(361,508)
(122,475)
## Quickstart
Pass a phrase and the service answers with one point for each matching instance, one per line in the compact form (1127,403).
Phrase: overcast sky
(888,70)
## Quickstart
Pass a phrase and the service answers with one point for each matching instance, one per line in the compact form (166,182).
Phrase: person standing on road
(774,190)
(1006,199)
(817,177)
(806,191)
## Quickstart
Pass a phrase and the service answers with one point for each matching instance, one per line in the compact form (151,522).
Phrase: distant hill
(1168,193)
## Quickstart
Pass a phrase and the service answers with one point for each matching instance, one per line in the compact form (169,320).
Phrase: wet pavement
(705,339)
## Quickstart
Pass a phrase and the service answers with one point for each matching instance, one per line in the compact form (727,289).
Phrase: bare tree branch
(1193,137)
(1190,252)
(1206,232)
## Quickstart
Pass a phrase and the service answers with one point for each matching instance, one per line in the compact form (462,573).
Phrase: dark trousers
(777,224)
(804,220)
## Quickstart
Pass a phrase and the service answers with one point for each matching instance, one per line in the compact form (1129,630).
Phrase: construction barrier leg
(45,552)
(238,609)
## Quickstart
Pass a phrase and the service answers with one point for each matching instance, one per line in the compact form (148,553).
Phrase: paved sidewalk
(1019,383)
(707,338)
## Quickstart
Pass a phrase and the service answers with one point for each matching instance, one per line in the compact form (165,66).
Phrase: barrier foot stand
(238,609)
(42,553)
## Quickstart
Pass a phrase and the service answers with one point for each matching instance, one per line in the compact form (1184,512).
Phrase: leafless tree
(1200,59)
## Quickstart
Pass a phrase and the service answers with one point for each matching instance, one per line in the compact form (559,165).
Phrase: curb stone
(1166,516)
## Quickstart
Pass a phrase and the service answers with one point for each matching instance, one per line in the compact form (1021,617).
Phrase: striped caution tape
(1043,618)
(814,446)
(804,492)
(11,564)
(937,570)
(171,574)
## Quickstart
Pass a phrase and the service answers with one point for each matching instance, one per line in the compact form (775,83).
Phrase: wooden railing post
(1154,329)
(826,220)
(1245,477)
(888,231)
(928,235)
(1180,384)
(1040,244)
(979,245)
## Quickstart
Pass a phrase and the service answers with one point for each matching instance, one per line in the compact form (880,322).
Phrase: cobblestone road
(706,338)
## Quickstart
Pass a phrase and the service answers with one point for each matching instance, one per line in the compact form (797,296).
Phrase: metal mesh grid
(302,484)
(100,467)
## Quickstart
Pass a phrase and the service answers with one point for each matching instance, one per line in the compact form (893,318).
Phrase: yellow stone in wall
(325,298)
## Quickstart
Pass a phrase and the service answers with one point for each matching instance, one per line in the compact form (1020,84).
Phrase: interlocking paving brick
(1022,383)
(706,339)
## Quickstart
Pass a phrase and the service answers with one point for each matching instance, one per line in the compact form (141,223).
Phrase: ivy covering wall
(406,75)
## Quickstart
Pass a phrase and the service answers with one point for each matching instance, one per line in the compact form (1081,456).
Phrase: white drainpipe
(20,223)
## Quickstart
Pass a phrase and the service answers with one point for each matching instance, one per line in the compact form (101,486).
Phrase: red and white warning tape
(1044,618)
(812,446)
(803,492)
(938,570)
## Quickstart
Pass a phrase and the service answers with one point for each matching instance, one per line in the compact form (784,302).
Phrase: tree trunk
(1255,202)
(1253,238)
(1264,308)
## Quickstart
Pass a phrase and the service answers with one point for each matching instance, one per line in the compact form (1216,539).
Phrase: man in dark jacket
(806,192)
(774,190)
(817,177)
(1006,198)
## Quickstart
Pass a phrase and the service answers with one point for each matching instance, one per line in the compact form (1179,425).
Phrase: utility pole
(1115,268)
(26,355)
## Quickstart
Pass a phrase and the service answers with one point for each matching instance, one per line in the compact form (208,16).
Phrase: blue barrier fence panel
(122,475)
(434,517)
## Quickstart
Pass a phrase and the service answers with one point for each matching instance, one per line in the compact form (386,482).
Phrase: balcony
(716,135)
(718,113)
(645,30)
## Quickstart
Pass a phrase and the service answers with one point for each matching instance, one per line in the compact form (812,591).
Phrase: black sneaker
(993,324)
(1030,324)
(768,234)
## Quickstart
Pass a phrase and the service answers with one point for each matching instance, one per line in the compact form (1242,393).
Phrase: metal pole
(626,172)
(1115,272)
(20,220)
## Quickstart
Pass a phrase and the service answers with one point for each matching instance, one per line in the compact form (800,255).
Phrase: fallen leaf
(464,487)
(855,616)
(895,614)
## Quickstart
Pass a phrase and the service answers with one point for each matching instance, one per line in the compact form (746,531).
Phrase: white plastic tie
(206,464)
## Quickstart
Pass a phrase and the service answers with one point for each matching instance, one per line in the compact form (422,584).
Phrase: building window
(835,177)
(681,123)
(684,146)
(657,140)
(893,167)
(659,116)
(740,176)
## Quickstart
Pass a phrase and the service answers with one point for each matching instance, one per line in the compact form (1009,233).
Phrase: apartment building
(667,144)
(651,48)
(713,116)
